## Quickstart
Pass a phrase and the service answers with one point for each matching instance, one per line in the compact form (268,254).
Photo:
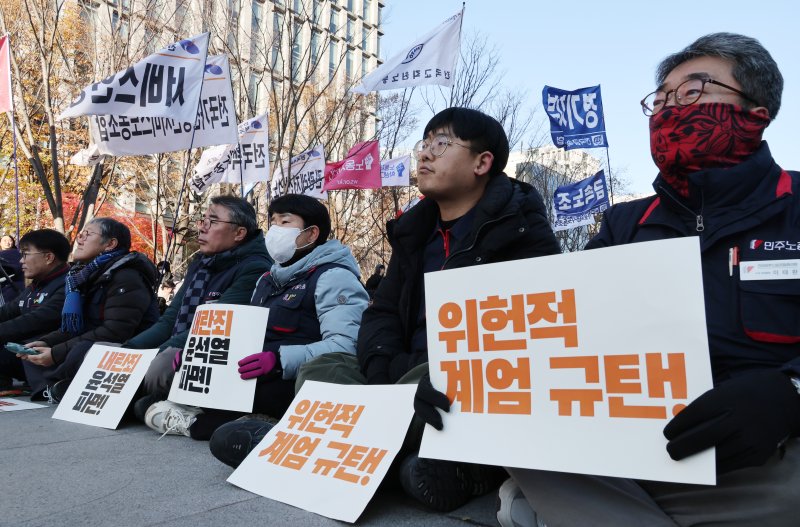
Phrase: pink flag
(6,102)
(361,168)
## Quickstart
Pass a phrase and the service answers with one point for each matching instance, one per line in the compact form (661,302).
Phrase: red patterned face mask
(685,139)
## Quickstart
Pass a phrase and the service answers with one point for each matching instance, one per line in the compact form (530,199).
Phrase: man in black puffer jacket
(472,214)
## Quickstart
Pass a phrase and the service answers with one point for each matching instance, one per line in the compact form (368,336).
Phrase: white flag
(429,60)
(394,172)
(215,123)
(244,162)
(165,84)
(305,173)
(88,157)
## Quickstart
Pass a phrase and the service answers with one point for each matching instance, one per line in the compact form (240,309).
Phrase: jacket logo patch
(214,295)
(289,296)
(341,299)
(774,245)
(299,287)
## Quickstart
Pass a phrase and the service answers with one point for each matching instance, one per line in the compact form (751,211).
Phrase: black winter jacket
(36,311)
(747,213)
(118,302)
(509,223)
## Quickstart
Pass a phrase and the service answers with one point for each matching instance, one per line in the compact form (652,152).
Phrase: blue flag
(576,117)
(576,204)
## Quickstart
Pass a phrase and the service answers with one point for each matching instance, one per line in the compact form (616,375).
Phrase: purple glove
(176,361)
(259,364)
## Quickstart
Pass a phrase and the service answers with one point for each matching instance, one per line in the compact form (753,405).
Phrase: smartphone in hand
(13,347)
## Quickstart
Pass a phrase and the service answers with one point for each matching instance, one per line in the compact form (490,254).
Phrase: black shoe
(143,403)
(55,392)
(440,485)
(232,441)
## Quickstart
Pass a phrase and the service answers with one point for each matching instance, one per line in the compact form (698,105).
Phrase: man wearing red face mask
(718,181)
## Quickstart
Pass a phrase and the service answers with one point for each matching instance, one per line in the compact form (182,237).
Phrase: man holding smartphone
(37,310)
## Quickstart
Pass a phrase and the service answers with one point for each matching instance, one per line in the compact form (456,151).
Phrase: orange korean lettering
(501,374)
(465,383)
(621,368)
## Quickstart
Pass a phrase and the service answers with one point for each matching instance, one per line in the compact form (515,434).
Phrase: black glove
(746,418)
(427,399)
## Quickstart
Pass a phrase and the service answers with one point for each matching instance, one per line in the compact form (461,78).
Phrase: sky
(616,44)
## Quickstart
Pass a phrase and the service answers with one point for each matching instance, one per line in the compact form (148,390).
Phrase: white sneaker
(513,509)
(171,418)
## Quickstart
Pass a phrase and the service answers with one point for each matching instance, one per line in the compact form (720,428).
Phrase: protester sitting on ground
(37,310)
(11,278)
(231,258)
(474,214)
(718,181)
(315,302)
(109,298)
(375,280)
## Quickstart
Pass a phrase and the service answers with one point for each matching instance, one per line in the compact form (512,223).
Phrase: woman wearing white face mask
(315,302)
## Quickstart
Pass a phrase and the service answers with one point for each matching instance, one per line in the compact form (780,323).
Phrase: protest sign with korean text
(104,386)
(243,162)
(573,362)
(164,84)
(220,336)
(576,204)
(576,117)
(215,123)
(9,404)
(395,172)
(331,449)
(431,59)
(360,169)
(302,174)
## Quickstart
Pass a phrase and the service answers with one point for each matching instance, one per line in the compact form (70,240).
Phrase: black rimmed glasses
(24,254)
(685,94)
(437,145)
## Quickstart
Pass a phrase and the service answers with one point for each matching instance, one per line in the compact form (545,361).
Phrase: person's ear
(483,163)
(313,234)
(112,244)
(761,111)
(241,234)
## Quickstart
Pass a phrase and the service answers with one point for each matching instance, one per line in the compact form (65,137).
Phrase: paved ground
(57,473)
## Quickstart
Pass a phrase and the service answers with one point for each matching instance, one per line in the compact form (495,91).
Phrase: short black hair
(111,228)
(47,240)
(483,131)
(310,209)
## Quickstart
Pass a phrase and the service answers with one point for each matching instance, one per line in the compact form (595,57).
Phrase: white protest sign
(244,162)
(395,172)
(221,335)
(215,123)
(164,84)
(305,173)
(104,386)
(331,449)
(8,404)
(574,362)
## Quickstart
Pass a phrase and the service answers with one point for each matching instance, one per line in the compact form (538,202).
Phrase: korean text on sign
(113,371)
(314,423)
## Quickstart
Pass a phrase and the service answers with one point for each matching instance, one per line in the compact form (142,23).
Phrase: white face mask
(282,242)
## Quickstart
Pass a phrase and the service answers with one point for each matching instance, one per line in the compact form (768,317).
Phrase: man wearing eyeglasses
(37,310)
(232,256)
(718,181)
(472,214)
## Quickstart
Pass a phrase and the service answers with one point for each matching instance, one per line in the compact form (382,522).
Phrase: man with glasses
(472,214)
(37,310)
(718,181)
(232,256)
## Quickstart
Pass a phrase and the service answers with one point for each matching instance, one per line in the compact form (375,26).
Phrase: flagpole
(16,171)
(610,181)
(185,171)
